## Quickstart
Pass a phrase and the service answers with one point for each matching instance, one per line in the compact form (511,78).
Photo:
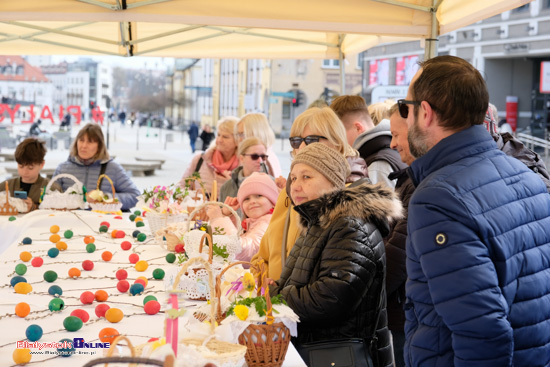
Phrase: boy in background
(29,156)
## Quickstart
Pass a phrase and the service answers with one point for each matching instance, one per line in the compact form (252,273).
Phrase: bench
(7,156)
(160,162)
(46,171)
(140,168)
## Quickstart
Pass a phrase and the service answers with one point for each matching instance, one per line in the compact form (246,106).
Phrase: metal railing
(531,141)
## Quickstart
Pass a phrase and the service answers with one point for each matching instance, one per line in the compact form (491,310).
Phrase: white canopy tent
(290,29)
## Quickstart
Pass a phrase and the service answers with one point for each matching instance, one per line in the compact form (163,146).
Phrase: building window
(546,5)
(331,64)
(521,9)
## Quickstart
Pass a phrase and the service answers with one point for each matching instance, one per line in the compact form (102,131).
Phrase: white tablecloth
(136,324)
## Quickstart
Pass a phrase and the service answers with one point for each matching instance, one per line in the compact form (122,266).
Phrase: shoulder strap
(378,149)
(199,164)
(101,172)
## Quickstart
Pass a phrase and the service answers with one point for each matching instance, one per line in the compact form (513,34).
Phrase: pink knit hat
(258,183)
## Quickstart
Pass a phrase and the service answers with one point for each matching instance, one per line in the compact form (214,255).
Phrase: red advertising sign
(379,72)
(512,112)
(46,114)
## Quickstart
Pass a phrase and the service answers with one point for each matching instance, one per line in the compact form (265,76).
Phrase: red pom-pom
(121,274)
(180,248)
(143,213)
(101,309)
(118,217)
(134,258)
(87,265)
(120,234)
(140,281)
(152,307)
(126,245)
(87,298)
(37,262)
(106,224)
(152,340)
(122,286)
(81,314)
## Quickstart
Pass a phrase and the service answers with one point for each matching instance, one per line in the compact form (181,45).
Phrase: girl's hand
(213,211)
(29,203)
(232,202)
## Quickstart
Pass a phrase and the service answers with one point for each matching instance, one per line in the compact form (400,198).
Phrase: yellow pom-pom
(248,282)
(241,312)
(141,265)
(21,356)
(54,229)
(25,256)
(23,288)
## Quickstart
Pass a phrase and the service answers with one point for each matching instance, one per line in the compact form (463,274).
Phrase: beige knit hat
(327,161)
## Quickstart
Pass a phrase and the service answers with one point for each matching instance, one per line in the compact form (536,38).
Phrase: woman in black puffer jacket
(334,278)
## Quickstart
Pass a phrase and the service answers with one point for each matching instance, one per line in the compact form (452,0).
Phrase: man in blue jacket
(478,246)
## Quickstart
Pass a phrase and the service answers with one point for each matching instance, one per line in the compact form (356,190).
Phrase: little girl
(257,196)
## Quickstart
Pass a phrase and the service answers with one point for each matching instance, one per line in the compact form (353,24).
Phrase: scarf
(85,162)
(220,165)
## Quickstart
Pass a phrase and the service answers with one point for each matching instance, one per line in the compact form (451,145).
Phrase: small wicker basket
(7,208)
(100,206)
(64,200)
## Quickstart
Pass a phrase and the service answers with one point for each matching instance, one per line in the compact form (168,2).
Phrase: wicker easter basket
(222,354)
(159,221)
(7,208)
(192,201)
(133,359)
(73,198)
(101,206)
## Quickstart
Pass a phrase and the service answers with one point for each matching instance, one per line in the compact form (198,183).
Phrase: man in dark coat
(478,244)
(193,135)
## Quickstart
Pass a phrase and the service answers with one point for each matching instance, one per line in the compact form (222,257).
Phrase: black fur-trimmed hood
(374,203)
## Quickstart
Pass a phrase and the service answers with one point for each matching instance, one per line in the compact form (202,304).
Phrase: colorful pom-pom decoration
(152,307)
(23,288)
(87,298)
(101,309)
(158,273)
(34,332)
(72,323)
(55,291)
(20,269)
(121,274)
(114,315)
(136,289)
(87,265)
(21,356)
(123,286)
(149,298)
(68,234)
(17,279)
(56,304)
(103,229)
(141,265)
(53,252)
(54,228)
(135,233)
(90,248)
(125,245)
(170,258)
(37,262)
(61,246)
(134,258)
(108,334)
(106,255)
(141,237)
(50,276)
(67,348)
(27,241)
(25,256)
(22,309)
(81,314)
(101,295)
(74,273)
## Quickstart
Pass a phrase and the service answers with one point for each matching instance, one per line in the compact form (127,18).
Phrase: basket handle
(114,344)
(63,175)
(168,362)
(204,237)
(219,281)
(110,181)
(7,194)
(213,300)
(233,212)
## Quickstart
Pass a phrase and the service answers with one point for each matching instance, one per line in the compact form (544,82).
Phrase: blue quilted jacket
(478,258)
(126,191)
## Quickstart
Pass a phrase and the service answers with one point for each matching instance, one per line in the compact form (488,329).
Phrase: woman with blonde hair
(315,125)
(256,125)
(380,111)
(88,159)
(217,162)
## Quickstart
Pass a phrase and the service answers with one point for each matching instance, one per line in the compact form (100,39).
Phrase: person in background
(380,111)
(35,129)
(256,125)
(373,143)
(479,232)
(217,162)
(206,136)
(314,125)
(256,197)
(252,158)
(334,276)
(29,156)
(395,242)
(88,159)
(193,132)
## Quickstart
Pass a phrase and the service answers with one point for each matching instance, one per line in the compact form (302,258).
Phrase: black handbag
(336,353)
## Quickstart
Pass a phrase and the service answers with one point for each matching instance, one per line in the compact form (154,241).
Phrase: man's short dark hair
(455,90)
(30,151)
(353,106)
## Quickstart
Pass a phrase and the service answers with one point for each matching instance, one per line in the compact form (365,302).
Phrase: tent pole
(341,57)
(430,48)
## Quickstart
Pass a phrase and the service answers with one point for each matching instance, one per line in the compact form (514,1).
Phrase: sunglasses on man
(403,108)
(255,156)
(296,141)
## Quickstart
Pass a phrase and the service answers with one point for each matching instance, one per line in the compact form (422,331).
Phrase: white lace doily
(72,198)
(19,204)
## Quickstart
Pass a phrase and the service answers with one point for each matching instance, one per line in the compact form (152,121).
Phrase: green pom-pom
(68,233)
(149,298)
(158,273)
(56,304)
(69,350)
(90,247)
(132,217)
(140,224)
(21,269)
(72,323)
(103,229)
(141,237)
(137,212)
(171,258)
(50,276)
(12,218)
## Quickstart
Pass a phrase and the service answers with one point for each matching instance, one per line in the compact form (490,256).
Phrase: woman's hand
(225,174)
(280,182)
(213,211)
(270,282)
(231,202)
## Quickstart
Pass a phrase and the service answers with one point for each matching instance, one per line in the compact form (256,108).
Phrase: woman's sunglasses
(403,108)
(296,141)
(255,157)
